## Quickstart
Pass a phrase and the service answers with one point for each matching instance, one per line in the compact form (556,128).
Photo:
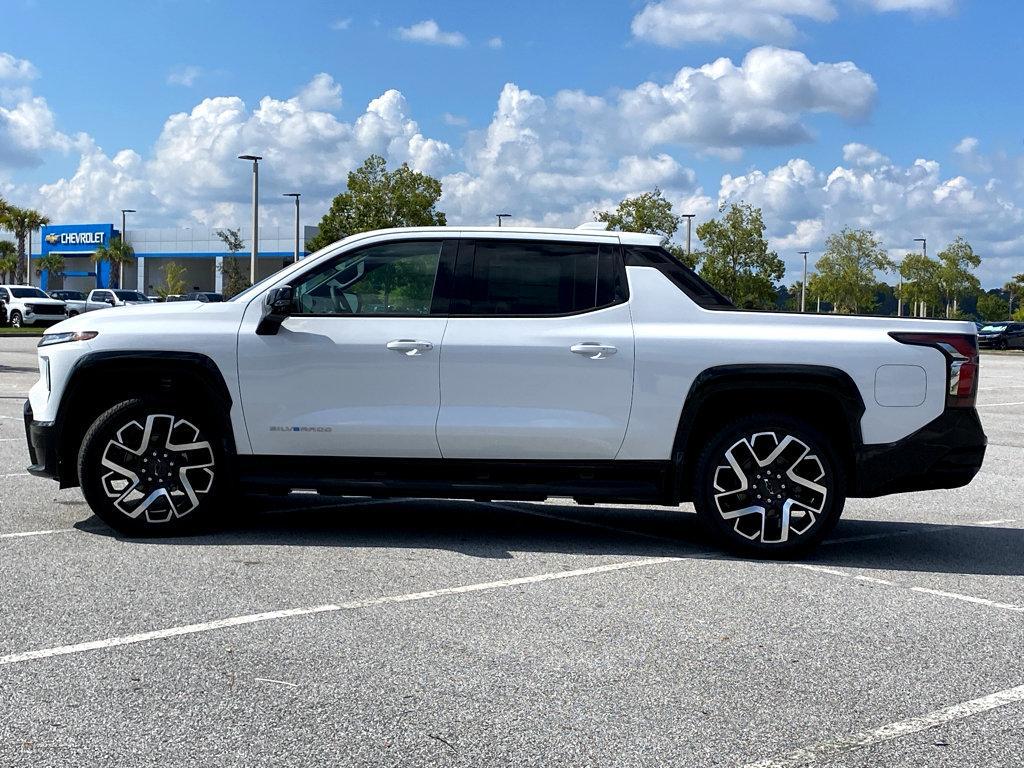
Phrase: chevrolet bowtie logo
(52,238)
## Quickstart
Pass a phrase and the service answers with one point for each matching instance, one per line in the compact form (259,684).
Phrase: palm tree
(8,259)
(21,221)
(52,264)
(118,253)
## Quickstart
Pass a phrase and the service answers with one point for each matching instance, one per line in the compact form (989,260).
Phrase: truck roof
(581,233)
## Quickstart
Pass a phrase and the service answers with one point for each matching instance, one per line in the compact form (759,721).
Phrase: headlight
(67,336)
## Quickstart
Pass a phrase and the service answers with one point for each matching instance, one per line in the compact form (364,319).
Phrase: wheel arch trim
(736,379)
(140,362)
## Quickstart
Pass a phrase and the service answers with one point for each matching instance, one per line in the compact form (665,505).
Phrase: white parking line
(249,619)
(824,752)
(969,599)
(996,522)
(15,534)
(14,475)
(928,590)
(993,405)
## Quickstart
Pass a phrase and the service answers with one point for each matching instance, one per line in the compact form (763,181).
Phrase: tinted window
(28,293)
(497,277)
(131,296)
(390,279)
(685,279)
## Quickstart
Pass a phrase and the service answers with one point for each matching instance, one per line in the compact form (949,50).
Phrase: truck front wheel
(148,467)
(769,485)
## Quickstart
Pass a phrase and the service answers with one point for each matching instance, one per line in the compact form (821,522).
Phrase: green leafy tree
(174,282)
(846,270)
(956,279)
(235,280)
(377,198)
(8,260)
(920,287)
(20,221)
(117,254)
(650,213)
(736,259)
(993,307)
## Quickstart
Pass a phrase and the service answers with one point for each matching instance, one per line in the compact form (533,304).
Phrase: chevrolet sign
(76,238)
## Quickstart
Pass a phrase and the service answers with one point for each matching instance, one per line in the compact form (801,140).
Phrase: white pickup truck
(28,306)
(484,363)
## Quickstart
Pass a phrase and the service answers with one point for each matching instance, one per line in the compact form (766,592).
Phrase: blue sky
(922,77)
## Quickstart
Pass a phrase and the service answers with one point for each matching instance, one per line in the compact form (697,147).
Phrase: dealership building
(198,249)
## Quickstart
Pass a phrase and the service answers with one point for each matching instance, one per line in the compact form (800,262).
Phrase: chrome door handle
(409,346)
(593,350)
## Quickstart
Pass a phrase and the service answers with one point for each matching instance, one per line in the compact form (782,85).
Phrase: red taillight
(961,351)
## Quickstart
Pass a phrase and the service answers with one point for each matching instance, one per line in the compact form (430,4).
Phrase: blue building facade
(198,249)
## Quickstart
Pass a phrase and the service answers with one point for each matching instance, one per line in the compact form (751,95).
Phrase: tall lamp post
(255,214)
(124,240)
(924,251)
(295,195)
(689,225)
(803,285)
(502,216)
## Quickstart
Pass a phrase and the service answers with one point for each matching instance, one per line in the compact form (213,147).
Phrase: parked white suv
(503,364)
(28,305)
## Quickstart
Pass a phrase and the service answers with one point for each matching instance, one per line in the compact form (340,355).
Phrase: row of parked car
(29,306)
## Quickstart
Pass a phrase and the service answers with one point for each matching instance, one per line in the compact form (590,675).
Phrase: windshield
(28,293)
(69,295)
(992,329)
(132,296)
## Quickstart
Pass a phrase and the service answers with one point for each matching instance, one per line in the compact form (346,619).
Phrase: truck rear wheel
(769,485)
(152,468)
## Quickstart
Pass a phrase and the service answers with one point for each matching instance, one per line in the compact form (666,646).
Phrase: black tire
(16,319)
(780,458)
(72,313)
(183,449)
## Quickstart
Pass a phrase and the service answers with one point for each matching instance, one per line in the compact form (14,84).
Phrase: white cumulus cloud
(678,22)
(12,68)
(803,204)
(429,32)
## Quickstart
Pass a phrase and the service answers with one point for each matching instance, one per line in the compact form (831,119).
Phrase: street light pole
(124,240)
(255,252)
(295,195)
(924,252)
(689,225)
(803,285)
(502,216)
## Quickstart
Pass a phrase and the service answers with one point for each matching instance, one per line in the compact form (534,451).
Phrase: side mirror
(111,302)
(276,307)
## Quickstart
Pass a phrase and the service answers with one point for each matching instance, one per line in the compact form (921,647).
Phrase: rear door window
(536,278)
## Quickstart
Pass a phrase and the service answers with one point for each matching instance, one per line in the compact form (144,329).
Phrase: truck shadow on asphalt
(498,530)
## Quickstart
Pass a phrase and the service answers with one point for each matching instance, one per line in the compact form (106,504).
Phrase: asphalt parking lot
(437,632)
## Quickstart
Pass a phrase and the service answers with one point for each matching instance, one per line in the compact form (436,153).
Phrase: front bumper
(42,446)
(944,454)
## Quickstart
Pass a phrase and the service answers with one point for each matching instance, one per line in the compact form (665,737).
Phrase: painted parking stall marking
(249,619)
(825,752)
